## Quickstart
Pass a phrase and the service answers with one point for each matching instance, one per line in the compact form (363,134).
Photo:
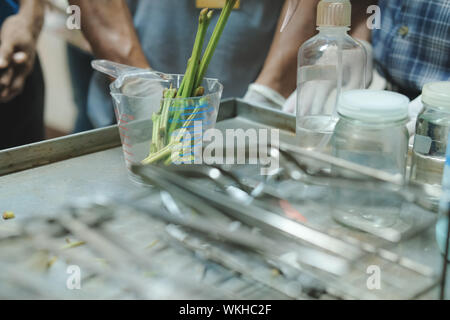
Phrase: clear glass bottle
(430,141)
(328,64)
(372,132)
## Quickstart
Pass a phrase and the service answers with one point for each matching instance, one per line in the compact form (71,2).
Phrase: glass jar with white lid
(430,141)
(372,132)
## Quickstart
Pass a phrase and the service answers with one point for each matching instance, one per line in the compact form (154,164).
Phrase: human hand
(18,39)
(262,95)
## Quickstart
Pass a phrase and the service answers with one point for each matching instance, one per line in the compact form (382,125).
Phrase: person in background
(279,72)
(80,76)
(21,79)
(160,35)
(412,47)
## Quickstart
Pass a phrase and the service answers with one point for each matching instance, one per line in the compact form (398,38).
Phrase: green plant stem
(213,42)
(160,155)
(193,65)
(174,141)
(187,88)
(163,132)
(164,122)
(155,132)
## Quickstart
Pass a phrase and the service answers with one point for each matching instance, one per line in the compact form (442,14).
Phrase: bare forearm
(108,26)
(32,12)
(280,68)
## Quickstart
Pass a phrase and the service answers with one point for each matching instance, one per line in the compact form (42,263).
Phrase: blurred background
(60,109)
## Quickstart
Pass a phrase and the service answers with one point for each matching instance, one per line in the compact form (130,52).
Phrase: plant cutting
(171,121)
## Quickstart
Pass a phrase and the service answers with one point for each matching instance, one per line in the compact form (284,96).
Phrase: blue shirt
(167,32)
(7,8)
(413,45)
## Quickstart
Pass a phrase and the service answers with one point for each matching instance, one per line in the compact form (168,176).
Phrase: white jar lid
(375,106)
(437,94)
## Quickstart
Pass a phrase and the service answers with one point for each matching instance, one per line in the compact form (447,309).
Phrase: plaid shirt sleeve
(413,45)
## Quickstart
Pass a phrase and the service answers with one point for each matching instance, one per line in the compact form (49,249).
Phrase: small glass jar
(430,141)
(372,132)
(444,205)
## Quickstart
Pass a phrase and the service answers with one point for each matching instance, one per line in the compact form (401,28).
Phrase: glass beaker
(137,98)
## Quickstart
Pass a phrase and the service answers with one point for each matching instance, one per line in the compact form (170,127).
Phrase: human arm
(280,68)
(108,27)
(18,35)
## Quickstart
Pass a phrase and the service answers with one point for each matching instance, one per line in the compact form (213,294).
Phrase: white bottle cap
(334,13)
(374,106)
(437,94)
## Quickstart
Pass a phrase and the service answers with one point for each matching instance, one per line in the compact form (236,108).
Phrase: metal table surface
(46,189)
(42,178)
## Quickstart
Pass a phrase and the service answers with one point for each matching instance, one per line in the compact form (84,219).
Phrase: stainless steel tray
(41,179)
